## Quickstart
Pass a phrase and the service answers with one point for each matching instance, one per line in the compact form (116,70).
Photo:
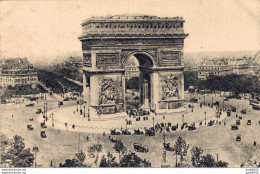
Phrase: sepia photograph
(130,84)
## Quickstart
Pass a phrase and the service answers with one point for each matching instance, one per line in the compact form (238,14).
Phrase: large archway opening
(138,68)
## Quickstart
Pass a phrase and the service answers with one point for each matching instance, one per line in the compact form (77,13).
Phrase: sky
(48,29)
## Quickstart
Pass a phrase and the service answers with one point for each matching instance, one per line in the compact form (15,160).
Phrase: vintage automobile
(43,125)
(167,147)
(184,125)
(192,127)
(238,122)
(234,127)
(243,111)
(248,122)
(30,105)
(114,132)
(125,132)
(149,132)
(140,148)
(29,127)
(43,135)
(228,113)
(30,119)
(234,109)
(38,111)
(226,99)
(238,138)
(240,117)
(60,103)
(216,103)
(138,132)
(175,127)
(211,122)
(194,100)
(112,140)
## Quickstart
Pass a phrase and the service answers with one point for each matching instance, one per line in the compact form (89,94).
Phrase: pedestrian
(224,123)
(87,138)
(254,143)
(12,116)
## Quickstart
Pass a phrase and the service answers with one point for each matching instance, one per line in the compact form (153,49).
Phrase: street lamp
(52,120)
(204,100)
(182,119)
(88,115)
(84,111)
(153,122)
(223,105)
(212,102)
(205,117)
(35,150)
(125,124)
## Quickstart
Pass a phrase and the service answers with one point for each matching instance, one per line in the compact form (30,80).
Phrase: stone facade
(157,43)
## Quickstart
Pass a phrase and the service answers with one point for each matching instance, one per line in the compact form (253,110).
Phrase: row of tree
(233,83)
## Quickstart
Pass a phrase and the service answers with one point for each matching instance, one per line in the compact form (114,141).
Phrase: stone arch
(133,53)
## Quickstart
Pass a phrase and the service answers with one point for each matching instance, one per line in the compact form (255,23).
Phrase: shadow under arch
(144,59)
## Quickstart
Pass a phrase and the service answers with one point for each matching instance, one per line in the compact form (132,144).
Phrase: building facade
(17,71)
(157,43)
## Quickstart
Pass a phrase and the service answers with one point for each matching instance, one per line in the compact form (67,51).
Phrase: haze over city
(44,30)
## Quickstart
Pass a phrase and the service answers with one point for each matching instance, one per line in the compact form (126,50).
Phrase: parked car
(29,127)
(234,127)
(38,111)
(194,100)
(167,147)
(140,148)
(149,132)
(30,105)
(138,132)
(226,99)
(248,122)
(43,125)
(228,113)
(211,122)
(234,109)
(238,122)
(31,119)
(240,117)
(243,111)
(238,138)
(112,140)
(125,132)
(43,135)
(192,127)
(114,132)
(216,103)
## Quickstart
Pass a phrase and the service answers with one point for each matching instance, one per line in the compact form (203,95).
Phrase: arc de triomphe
(157,43)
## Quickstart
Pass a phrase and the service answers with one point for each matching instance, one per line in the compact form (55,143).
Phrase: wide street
(62,143)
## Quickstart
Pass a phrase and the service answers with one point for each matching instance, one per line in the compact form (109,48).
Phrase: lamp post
(35,150)
(223,105)
(88,115)
(153,122)
(125,124)
(77,105)
(204,100)
(212,102)
(84,111)
(52,120)
(205,117)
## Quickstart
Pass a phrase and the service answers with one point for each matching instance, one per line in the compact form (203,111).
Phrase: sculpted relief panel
(87,59)
(170,87)
(108,92)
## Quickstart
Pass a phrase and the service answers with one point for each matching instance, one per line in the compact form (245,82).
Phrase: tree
(17,155)
(81,156)
(132,160)
(207,161)
(221,164)
(109,161)
(120,148)
(70,163)
(94,151)
(180,148)
(199,160)
(196,153)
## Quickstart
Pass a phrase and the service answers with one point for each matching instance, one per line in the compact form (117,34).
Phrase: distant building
(132,68)
(17,71)
(224,66)
(213,67)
